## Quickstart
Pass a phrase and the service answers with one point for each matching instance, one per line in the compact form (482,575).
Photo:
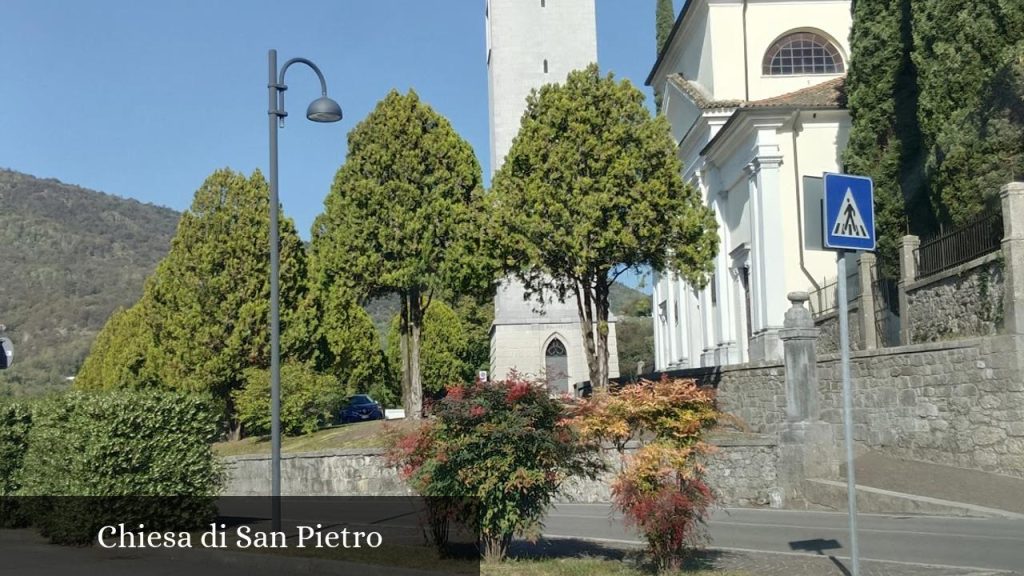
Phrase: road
(979,543)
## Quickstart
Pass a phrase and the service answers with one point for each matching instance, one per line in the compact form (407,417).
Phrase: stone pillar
(908,273)
(868,333)
(1012,196)
(806,444)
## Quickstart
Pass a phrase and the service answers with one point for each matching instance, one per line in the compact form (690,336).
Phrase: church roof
(828,94)
(699,96)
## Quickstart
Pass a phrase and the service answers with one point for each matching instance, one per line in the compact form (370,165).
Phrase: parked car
(361,408)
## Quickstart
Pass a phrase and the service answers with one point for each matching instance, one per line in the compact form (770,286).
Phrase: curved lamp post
(323,109)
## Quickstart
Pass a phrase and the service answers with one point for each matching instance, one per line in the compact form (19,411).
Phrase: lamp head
(324,109)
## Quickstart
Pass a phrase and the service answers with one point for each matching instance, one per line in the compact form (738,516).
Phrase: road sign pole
(844,347)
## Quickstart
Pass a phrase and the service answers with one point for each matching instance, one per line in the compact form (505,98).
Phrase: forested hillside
(70,256)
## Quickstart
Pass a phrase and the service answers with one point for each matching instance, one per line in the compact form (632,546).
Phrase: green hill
(70,257)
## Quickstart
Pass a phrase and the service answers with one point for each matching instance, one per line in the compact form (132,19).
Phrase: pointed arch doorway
(556,366)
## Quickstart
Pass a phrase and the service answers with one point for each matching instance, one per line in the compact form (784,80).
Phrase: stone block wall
(755,393)
(828,330)
(959,403)
(962,302)
(742,471)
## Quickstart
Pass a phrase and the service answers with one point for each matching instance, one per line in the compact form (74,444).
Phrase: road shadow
(545,549)
(820,545)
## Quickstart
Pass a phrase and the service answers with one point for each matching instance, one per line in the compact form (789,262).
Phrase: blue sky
(145,99)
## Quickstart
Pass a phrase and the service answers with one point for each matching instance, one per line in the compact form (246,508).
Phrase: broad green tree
(591,188)
(403,217)
(209,299)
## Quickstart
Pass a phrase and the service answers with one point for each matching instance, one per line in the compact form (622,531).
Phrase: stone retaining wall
(828,330)
(962,302)
(742,471)
(959,403)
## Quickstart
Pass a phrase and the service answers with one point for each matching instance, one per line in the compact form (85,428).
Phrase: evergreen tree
(402,217)
(209,299)
(445,348)
(591,188)
(122,355)
(665,18)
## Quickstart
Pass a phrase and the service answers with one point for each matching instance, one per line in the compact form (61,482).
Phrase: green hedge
(104,458)
(15,423)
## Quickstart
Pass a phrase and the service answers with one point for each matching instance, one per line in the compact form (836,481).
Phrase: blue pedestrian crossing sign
(849,212)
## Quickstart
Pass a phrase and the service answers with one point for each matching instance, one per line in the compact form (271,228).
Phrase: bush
(103,458)
(15,423)
(505,447)
(661,489)
(309,400)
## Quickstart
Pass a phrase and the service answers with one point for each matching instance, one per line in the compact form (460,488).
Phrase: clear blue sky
(145,99)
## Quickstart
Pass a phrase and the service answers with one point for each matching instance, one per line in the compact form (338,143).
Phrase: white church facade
(531,43)
(755,94)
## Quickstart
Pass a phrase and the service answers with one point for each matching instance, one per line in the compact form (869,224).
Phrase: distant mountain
(68,258)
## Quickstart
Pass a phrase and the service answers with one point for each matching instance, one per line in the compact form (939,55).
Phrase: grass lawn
(355,435)
(581,567)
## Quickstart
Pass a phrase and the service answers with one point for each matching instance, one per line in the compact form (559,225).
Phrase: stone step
(831,494)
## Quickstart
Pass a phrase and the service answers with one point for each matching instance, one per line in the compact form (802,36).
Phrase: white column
(682,352)
(656,321)
(723,283)
(672,311)
(773,281)
(757,264)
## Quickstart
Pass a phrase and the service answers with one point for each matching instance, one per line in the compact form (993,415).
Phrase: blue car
(361,408)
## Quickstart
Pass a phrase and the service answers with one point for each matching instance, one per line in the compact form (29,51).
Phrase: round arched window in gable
(802,53)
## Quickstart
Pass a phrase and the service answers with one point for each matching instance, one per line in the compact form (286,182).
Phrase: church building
(531,43)
(754,91)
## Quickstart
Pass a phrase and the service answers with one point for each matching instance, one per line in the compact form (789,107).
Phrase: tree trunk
(584,305)
(601,308)
(403,326)
(415,381)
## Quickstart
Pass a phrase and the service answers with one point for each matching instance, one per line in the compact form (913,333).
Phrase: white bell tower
(531,43)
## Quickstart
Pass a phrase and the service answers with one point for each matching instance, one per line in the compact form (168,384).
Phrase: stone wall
(959,403)
(961,302)
(828,330)
(755,393)
(742,471)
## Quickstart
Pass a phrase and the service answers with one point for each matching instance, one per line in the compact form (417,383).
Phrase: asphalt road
(981,543)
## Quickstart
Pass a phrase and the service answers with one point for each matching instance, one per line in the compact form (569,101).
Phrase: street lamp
(323,109)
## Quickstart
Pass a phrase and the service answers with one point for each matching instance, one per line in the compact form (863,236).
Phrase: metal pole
(844,347)
(275,336)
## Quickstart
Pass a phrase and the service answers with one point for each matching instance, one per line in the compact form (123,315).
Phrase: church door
(556,367)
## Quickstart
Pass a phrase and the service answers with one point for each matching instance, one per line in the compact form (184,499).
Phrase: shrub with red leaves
(505,446)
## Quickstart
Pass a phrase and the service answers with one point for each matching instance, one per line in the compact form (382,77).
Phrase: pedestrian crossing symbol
(849,212)
(850,223)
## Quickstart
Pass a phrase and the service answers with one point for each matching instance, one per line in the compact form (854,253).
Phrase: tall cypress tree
(665,18)
(885,140)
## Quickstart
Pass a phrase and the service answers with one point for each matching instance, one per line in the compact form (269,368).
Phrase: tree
(665,17)
(401,218)
(445,348)
(122,355)
(348,345)
(208,301)
(591,188)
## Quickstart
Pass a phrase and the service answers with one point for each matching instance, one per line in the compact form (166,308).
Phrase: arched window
(802,53)
(556,367)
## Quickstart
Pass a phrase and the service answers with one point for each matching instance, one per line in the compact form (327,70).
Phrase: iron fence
(977,238)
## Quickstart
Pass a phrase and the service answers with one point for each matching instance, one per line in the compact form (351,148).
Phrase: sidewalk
(751,563)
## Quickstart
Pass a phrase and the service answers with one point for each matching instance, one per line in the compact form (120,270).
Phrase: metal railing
(977,238)
(824,299)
